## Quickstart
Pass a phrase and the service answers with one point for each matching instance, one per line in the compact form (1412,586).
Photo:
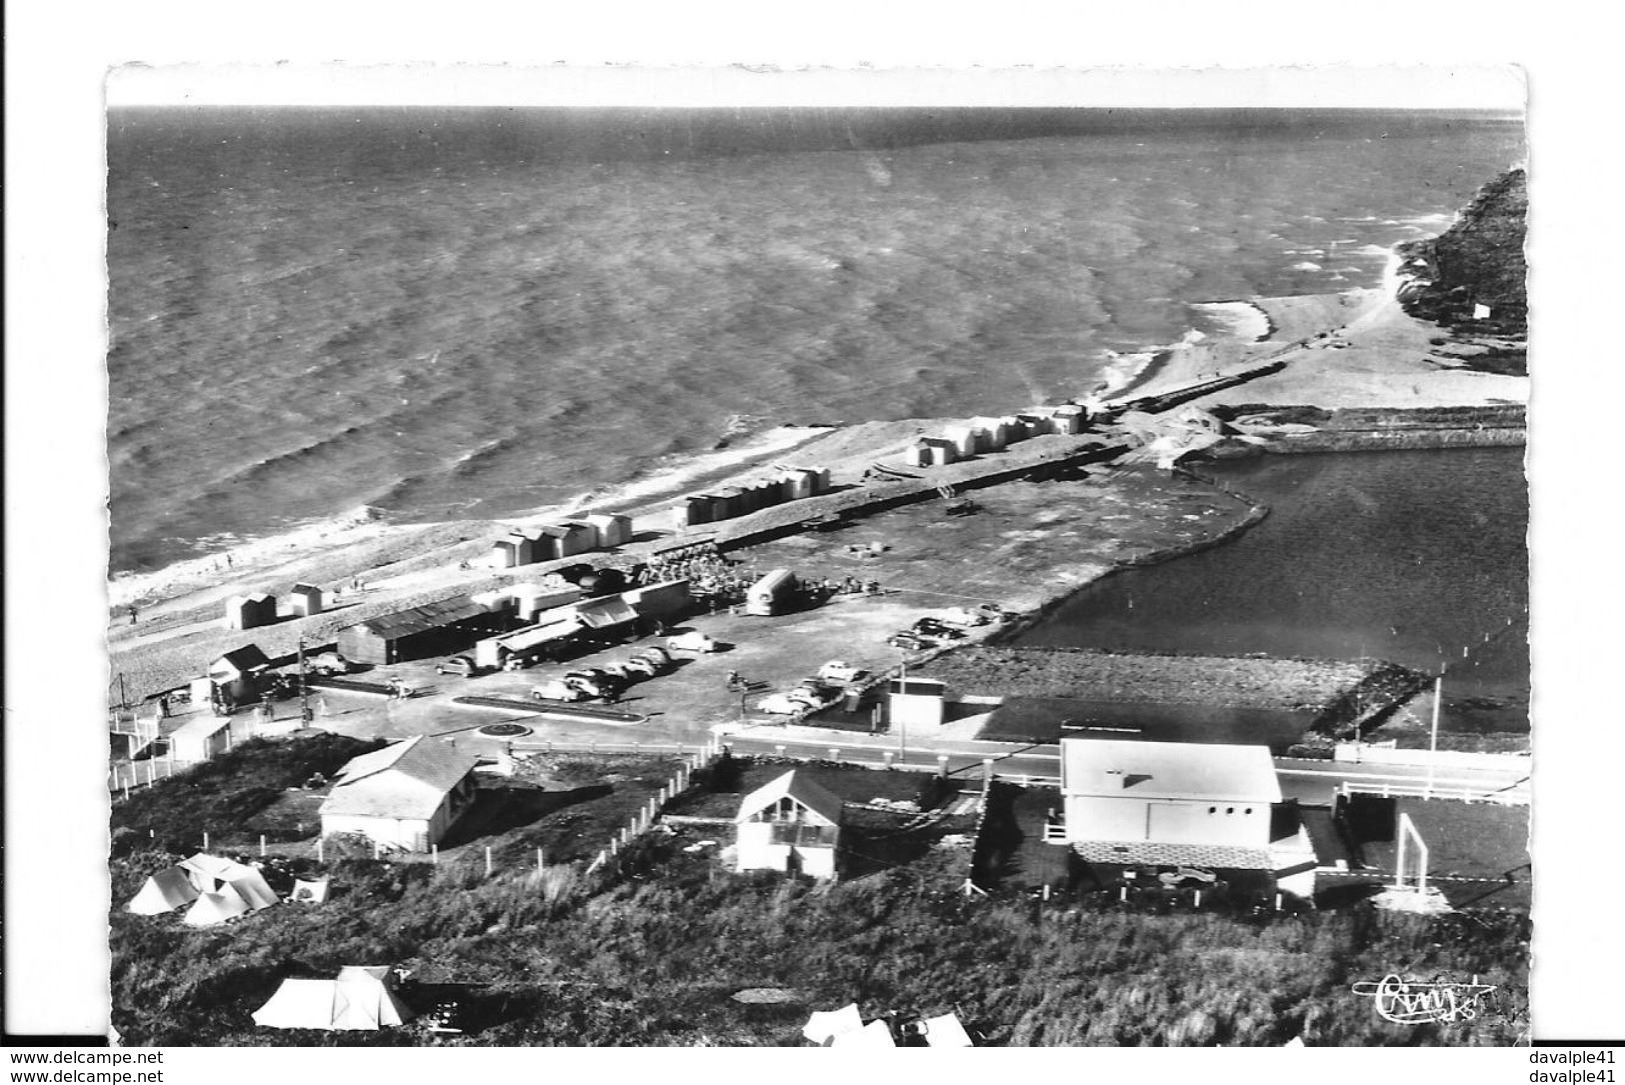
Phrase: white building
(916,702)
(404,796)
(790,823)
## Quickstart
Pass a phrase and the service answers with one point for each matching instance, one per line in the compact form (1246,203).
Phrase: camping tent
(359,999)
(163,892)
(212,908)
(209,873)
(874,1034)
(945,1031)
(824,1026)
(309,892)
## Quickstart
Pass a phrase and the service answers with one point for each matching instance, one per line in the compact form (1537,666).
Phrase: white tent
(163,892)
(358,999)
(212,908)
(874,1034)
(309,892)
(824,1026)
(212,873)
(945,1031)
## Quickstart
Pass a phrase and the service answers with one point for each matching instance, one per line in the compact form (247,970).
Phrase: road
(1308,781)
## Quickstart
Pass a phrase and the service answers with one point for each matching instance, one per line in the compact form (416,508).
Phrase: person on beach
(132,615)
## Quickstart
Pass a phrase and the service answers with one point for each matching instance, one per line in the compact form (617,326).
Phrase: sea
(447,313)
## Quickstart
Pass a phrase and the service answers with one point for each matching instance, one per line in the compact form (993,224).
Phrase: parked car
(558,690)
(910,641)
(694,641)
(932,627)
(457,665)
(839,671)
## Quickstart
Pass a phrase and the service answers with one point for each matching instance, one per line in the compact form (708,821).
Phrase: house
(404,796)
(967,440)
(250,611)
(305,600)
(1130,805)
(446,625)
(791,823)
(916,702)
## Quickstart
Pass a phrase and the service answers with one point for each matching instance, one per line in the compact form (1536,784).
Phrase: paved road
(1310,781)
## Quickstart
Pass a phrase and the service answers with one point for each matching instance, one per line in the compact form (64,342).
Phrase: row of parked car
(945,627)
(608,681)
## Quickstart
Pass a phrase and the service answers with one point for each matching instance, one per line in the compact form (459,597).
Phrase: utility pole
(305,714)
(1433,738)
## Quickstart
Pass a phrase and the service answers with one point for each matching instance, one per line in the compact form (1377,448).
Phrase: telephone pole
(305,714)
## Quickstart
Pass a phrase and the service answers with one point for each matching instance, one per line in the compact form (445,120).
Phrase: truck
(772,594)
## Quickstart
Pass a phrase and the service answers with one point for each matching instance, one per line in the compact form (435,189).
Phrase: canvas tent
(309,892)
(825,1025)
(212,873)
(163,892)
(358,999)
(212,908)
(945,1031)
(874,1034)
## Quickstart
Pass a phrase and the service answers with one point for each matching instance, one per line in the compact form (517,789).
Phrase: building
(566,540)
(1135,806)
(791,823)
(997,431)
(665,601)
(967,440)
(305,600)
(609,615)
(533,642)
(612,530)
(447,625)
(406,795)
(235,675)
(250,611)
(531,600)
(1069,418)
(200,739)
(931,452)
(916,702)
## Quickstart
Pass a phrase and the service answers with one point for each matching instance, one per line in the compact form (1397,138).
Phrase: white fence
(1516,795)
(1362,753)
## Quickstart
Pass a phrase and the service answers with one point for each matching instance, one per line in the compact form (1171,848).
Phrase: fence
(1512,795)
(608,858)
(131,776)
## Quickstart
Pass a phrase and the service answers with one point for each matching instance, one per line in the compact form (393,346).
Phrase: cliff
(1478,261)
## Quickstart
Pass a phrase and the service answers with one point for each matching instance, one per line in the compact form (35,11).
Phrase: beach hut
(997,430)
(917,454)
(1069,418)
(613,529)
(791,823)
(1036,422)
(967,440)
(730,502)
(249,611)
(939,451)
(696,509)
(1014,429)
(305,600)
(237,674)
(798,482)
(566,540)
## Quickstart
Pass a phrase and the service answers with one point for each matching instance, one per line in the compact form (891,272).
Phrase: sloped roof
(609,610)
(163,892)
(1168,770)
(559,531)
(796,785)
(246,658)
(422,618)
(532,635)
(408,780)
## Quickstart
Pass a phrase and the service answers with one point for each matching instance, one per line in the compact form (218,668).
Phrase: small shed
(305,600)
(791,823)
(566,540)
(1069,418)
(1036,422)
(916,702)
(237,673)
(404,796)
(1014,429)
(200,739)
(967,440)
(696,509)
(613,529)
(250,611)
(730,502)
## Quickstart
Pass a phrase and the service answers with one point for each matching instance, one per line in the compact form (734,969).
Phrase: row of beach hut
(790,484)
(995,434)
(599,531)
(260,608)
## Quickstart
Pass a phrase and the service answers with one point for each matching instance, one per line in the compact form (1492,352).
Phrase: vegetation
(1478,261)
(224,796)
(651,954)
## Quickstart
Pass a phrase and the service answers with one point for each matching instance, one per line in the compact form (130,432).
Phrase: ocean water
(476,312)
(1405,556)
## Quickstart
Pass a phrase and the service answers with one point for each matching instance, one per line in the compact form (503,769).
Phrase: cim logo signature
(1416,1002)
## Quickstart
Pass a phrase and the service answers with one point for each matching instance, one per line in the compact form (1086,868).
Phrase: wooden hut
(305,600)
(613,530)
(249,611)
